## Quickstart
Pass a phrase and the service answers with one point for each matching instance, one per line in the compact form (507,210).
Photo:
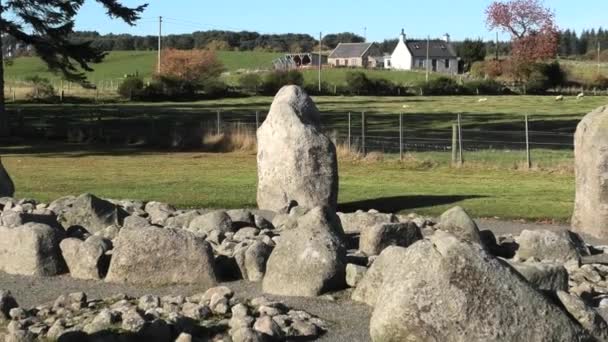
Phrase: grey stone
(447,289)
(184,337)
(182,220)
(159,212)
(308,260)
(86,259)
(132,321)
(267,326)
(157,256)
(246,233)
(246,335)
(359,221)
(458,222)
(148,302)
(216,220)
(547,245)
(354,274)
(591,169)
(376,238)
(92,213)
(62,204)
(544,276)
(296,161)
(252,260)
(31,249)
(7,187)
(135,221)
(590,319)
(241,218)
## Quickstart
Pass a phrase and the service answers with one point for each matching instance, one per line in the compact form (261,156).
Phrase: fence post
(454,143)
(219,129)
(363,133)
(460,157)
(401,136)
(349,133)
(528,157)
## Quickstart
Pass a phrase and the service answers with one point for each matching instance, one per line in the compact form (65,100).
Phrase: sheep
(482,100)
(580,96)
(559,98)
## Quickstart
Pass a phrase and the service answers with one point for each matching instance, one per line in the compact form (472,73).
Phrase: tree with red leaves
(532,27)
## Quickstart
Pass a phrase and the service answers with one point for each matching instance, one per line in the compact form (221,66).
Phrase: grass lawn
(229,181)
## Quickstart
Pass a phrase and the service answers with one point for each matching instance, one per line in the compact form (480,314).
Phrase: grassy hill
(119,63)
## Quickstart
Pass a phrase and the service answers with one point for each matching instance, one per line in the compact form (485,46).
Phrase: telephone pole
(428,43)
(496,45)
(320,58)
(160,38)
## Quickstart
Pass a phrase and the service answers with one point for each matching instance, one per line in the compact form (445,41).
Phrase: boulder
(447,289)
(354,274)
(7,187)
(591,169)
(241,218)
(544,276)
(135,221)
(252,259)
(458,222)
(543,244)
(182,220)
(590,319)
(215,220)
(358,221)
(31,249)
(86,259)
(308,260)
(159,212)
(92,213)
(158,256)
(376,238)
(296,161)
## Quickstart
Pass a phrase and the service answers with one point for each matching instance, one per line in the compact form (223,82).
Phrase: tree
(471,51)
(46,26)
(186,71)
(532,28)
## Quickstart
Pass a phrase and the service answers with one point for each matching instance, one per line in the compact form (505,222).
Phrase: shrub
(41,88)
(543,76)
(250,83)
(486,87)
(131,87)
(357,83)
(478,69)
(442,86)
(494,68)
(275,80)
(600,82)
(215,89)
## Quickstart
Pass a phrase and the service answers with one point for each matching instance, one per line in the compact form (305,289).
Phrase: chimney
(446,37)
(402,36)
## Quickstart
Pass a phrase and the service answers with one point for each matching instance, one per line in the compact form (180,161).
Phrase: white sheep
(580,96)
(482,100)
(559,98)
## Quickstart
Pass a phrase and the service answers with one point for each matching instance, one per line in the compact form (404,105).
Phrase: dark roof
(437,48)
(350,50)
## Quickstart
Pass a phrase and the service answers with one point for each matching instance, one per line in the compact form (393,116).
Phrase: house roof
(350,50)
(437,48)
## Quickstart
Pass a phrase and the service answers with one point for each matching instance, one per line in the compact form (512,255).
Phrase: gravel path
(349,321)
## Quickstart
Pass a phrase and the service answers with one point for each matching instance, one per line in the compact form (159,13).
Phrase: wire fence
(362,132)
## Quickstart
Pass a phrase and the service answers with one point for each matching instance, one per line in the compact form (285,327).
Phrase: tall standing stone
(591,168)
(296,161)
(7,188)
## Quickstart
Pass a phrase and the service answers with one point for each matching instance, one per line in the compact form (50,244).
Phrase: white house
(440,55)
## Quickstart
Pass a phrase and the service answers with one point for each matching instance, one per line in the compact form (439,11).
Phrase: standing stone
(160,256)
(296,161)
(7,188)
(591,169)
(309,259)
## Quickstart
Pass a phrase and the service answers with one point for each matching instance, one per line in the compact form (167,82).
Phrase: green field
(229,181)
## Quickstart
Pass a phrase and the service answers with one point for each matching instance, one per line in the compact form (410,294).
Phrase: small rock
(354,274)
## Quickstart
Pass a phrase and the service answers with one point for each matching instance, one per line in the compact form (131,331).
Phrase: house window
(337,62)
(353,61)
(421,63)
(346,62)
(447,63)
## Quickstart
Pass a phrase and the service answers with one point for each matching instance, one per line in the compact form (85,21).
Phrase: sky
(378,20)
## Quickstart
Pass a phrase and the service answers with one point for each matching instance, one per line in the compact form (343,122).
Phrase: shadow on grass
(399,203)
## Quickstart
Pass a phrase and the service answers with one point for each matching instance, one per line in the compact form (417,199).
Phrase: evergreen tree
(46,26)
